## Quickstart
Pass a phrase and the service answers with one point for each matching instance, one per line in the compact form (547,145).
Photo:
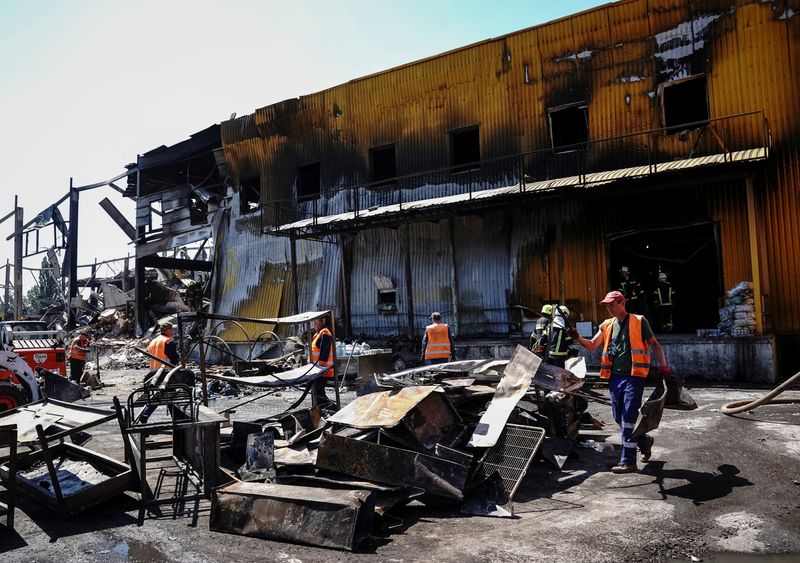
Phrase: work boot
(624,468)
(647,448)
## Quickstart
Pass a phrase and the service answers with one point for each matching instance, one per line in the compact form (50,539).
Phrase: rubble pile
(738,317)
(462,432)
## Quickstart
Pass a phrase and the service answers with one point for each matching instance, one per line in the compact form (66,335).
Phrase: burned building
(527,169)
(178,191)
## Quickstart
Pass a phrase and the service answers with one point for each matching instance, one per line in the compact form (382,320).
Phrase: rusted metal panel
(392,466)
(428,415)
(311,515)
(381,410)
(251,277)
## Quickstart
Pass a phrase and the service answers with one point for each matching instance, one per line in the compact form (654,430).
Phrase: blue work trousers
(626,400)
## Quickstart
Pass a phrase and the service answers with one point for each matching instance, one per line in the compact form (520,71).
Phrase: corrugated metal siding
(319,271)
(377,252)
(482,272)
(252,276)
(431,277)
(614,57)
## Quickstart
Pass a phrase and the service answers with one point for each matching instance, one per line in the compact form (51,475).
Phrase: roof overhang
(420,210)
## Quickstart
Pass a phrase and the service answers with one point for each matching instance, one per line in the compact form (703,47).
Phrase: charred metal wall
(614,59)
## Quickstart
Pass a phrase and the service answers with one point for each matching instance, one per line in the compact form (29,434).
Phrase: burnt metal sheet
(554,378)
(511,456)
(65,417)
(294,376)
(383,409)
(510,390)
(309,515)
(431,419)
(78,491)
(651,411)
(392,466)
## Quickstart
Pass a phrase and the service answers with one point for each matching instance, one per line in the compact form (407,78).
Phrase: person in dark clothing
(559,340)
(664,298)
(541,332)
(630,287)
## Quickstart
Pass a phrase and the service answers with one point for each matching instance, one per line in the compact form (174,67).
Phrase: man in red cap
(627,340)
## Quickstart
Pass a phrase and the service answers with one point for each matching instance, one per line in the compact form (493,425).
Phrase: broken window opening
(198,210)
(156,212)
(308,182)
(250,194)
(387,295)
(684,102)
(382,165)
(465,149)
(569,128)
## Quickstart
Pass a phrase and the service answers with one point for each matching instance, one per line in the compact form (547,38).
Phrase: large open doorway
(689,255)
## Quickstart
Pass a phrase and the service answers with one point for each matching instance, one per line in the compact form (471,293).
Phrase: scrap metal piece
(60,388)
(489,498)
(518,373)
(393,466)
(651,411)
(381,410)
(577,366)
(511,456)
(554,378)
(295,376)
(428,415)
(556,450)
(259,458)
(310,515)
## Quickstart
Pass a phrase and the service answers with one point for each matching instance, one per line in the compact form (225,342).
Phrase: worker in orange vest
(437,344)
(321,346)
(76,354)
(627,341)
(163,346)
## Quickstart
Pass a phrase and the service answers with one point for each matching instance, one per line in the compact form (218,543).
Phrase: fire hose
(737,407)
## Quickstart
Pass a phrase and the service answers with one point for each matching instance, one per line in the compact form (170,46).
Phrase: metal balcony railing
(724,138)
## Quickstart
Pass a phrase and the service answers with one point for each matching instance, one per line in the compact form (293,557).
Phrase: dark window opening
(308,182)
(690,258)
(250,194)
(387,295)
(382,164)
(465,149)
(569,128)
(198,210)
(684,102)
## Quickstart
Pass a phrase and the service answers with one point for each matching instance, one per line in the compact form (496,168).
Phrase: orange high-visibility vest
(315,353)
(438,346)
(76,352)
(640,355)
(157,347)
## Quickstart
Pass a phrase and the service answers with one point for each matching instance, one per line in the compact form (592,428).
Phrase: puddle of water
(132,551)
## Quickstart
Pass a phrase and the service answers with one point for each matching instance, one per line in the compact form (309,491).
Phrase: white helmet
(662,276)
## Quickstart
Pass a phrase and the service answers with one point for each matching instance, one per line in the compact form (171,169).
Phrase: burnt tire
(12,397)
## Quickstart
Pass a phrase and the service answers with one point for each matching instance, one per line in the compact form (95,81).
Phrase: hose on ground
(737,407)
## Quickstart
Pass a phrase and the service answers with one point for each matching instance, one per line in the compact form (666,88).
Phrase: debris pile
(738,316)
(461,432)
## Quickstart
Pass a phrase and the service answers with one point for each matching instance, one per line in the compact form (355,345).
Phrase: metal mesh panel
(511,456)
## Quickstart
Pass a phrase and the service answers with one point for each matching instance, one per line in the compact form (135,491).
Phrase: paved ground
(715,484)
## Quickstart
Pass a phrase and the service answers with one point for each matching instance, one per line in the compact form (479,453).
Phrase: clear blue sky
(87,85)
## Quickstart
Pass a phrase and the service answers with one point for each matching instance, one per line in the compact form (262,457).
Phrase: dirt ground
(715,485)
